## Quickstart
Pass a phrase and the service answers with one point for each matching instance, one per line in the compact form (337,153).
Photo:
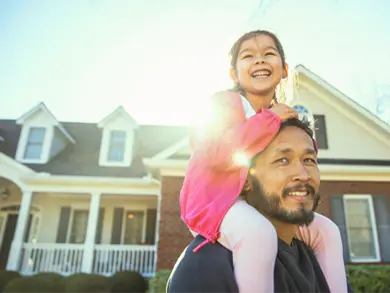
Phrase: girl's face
(259,66)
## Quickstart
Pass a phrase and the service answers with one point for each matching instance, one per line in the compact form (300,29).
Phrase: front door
(8,236)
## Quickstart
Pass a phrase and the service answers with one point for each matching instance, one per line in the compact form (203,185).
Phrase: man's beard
(270,205)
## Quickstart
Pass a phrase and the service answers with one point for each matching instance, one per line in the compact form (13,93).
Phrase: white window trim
(22,144)
(123,230)
(367,197)
(128,149)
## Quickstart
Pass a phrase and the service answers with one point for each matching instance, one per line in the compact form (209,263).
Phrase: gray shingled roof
(82,158)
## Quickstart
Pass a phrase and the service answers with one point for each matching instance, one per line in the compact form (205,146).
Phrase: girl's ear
(233,75)
(285,71)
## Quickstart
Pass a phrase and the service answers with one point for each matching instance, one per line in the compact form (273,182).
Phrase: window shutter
(321,136)
(98,238)
(117,226)
(63,225)
(382,215)
(151,222)
(338,217)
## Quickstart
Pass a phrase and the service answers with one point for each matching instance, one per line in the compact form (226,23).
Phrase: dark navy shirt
(211,270)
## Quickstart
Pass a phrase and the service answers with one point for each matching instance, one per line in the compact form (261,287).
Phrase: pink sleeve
(227,134)
(323,236)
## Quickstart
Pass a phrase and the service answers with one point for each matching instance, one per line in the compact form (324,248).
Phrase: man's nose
(301,174)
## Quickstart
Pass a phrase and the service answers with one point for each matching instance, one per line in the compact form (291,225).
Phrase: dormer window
(34,144)
(116,148)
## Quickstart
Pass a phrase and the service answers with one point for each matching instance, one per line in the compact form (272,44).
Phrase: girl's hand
(284,112)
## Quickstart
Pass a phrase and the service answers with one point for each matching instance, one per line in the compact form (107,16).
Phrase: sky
(161,59)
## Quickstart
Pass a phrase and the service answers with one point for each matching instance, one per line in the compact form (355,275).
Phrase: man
(283,185)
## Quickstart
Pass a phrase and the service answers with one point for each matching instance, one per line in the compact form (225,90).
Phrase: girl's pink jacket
(213,181)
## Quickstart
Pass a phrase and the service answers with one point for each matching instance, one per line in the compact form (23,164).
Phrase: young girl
(244,123)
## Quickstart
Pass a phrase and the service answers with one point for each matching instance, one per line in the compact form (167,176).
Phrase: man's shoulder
(208,270)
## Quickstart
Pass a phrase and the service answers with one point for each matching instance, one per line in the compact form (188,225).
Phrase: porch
(68,259)
(54,230)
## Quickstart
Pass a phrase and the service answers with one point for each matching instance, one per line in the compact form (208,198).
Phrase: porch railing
(67,259)
(113,258)
(48,257)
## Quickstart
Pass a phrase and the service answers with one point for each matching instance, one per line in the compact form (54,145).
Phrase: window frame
(369,199)
(105,148)
(70,224)
(123,230)
(110,145)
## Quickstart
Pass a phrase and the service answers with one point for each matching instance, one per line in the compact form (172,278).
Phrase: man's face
(286,178)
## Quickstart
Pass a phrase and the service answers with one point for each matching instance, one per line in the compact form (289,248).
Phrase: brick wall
(329,188)
(173,234)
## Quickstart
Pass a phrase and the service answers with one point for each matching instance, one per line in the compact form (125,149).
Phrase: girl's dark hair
(233,54)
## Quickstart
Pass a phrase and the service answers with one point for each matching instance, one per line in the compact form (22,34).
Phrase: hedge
(6,277)
(158,282)
(369,278)
(127,281)
(362,278)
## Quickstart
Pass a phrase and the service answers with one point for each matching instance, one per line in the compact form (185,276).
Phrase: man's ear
(233,75)
(285,71)
(248,186)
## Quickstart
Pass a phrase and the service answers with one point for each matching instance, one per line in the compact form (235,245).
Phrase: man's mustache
(298,187)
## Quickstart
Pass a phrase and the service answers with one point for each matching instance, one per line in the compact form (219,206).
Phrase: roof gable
(351,104)
(119,114)
(41,108)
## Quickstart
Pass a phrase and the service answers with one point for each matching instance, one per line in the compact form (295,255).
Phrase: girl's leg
(253,241)
(323,236)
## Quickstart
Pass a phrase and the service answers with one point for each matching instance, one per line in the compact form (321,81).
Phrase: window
(361,228)
(134,227)
(116,148)
(79,226)
(318,123)
(34,145)
(320,132)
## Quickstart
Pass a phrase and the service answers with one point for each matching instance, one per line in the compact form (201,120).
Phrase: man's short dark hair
(303,124)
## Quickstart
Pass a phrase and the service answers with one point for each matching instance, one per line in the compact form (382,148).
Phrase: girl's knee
(326,226)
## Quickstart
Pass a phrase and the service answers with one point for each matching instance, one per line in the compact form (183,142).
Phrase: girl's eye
(270,54)
(247,56)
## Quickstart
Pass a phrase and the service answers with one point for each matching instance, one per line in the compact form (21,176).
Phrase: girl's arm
(229,133)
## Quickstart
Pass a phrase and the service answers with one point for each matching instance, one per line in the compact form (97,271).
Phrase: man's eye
(282,160)
(311,160)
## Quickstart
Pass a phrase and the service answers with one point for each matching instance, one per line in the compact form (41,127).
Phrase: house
(102,197)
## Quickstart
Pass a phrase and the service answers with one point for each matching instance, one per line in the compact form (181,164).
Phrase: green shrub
(87,283)
(129,282)
(31,284)
(50,275)
(6,277)
(158,282)
(369,278)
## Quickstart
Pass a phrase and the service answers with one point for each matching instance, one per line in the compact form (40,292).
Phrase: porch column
(89,244)
(15,253)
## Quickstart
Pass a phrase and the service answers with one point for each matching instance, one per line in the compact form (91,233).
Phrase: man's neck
(285,231)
